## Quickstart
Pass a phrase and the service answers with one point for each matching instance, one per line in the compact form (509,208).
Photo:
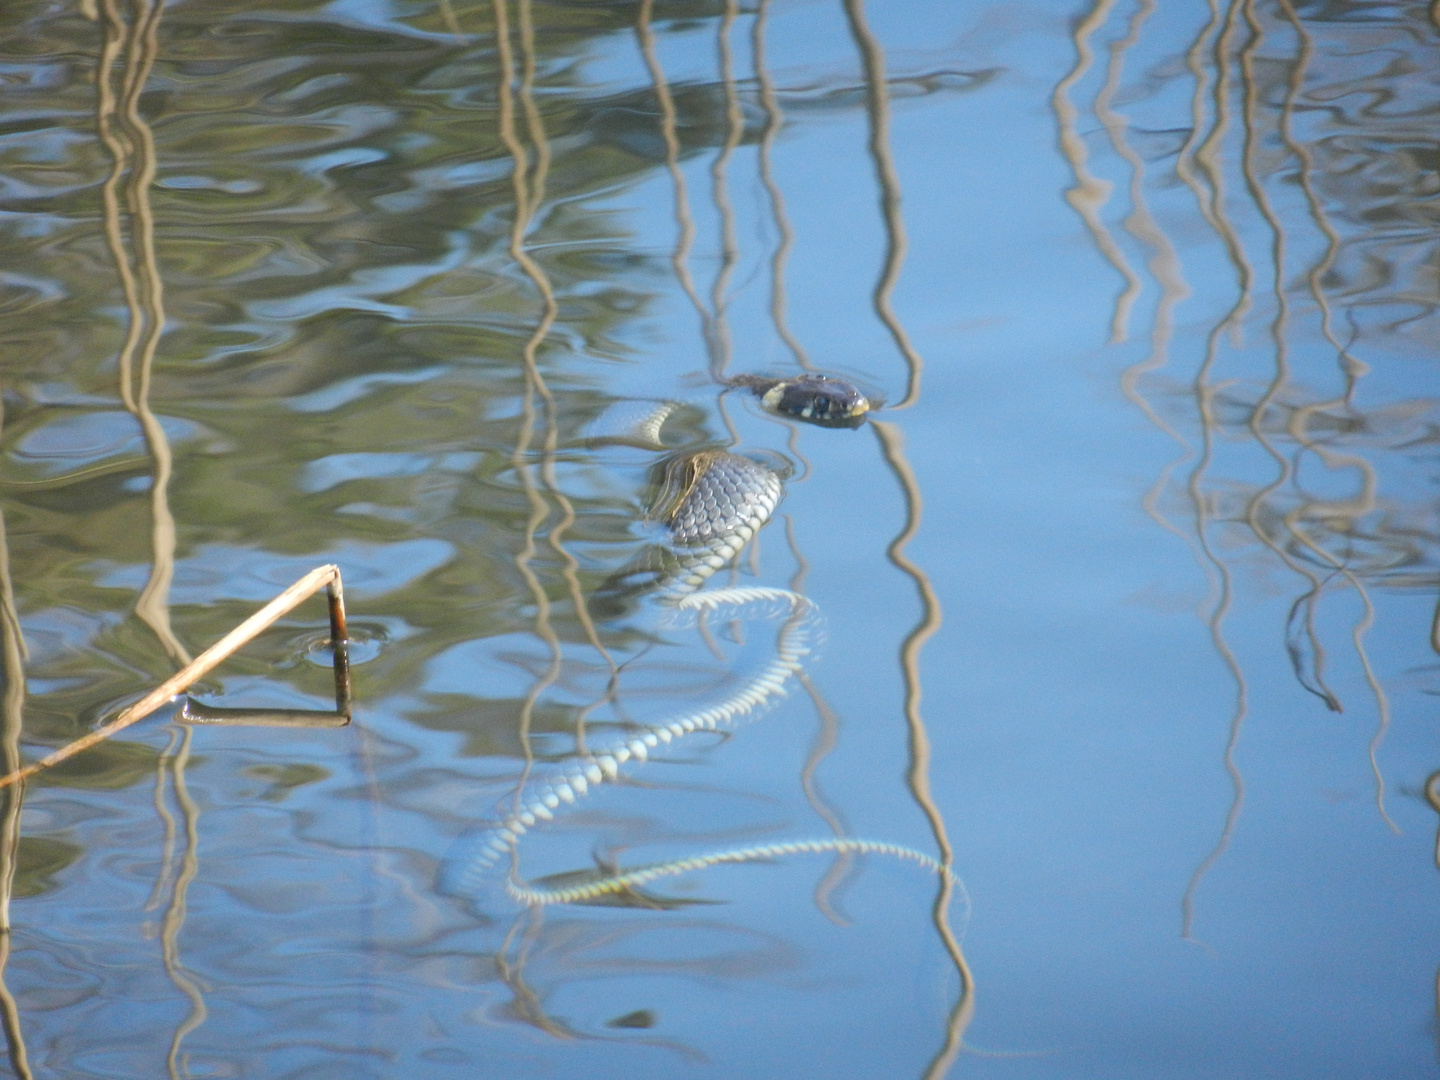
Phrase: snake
(710,504)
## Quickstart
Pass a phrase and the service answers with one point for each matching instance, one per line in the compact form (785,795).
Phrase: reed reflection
(1090,193)
(720,191)
(684,219)
(1244,102)
(526,1005)
(892,447)
(12,708)
(827,737)
(1298,419)
(1209,189)
(877,112)
(1218,604)
(918,773)
(175,912)
(131,143)
(1090,199)
(774,121)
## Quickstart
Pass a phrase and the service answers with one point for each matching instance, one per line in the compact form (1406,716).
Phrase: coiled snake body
(711,503)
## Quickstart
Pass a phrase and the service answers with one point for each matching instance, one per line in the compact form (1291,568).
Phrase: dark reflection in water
(351,282)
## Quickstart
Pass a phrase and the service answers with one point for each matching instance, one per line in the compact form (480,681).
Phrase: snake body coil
(711,503)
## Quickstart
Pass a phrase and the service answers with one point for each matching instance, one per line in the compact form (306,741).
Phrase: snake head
(818,399)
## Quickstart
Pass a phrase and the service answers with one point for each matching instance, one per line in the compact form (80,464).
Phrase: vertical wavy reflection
(161,798)
(1315,277)
(877,111)
(720,190)
(785,234)
(1352,371)
(12,708)
(1208,156)
(1088,198)
(1243,107)
(1185,166)
(528,188)
(1218,604)
(1090,193)
(1357,641)
(535,384)
(1278,327)
(1351,368)
(892,447)
(131,144)
(1164,265)
(533,200)
(918,774)
(174,920)
(684,219)
(827,737)
(1255,516)
(774,121)
(539,510)
(1364,502)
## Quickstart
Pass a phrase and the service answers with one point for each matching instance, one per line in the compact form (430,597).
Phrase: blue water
(1137,465)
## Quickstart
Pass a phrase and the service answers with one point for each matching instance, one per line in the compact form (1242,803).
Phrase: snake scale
(711,504)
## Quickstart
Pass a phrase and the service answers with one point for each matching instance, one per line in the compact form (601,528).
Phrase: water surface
(1127,595)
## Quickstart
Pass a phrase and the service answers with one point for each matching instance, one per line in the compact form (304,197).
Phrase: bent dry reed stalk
(326,577)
